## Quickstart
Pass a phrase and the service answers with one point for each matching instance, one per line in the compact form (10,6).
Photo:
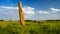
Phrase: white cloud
(29,13)
(5,7)
(9,12)
(28,10)
(43,12)
(13,13)
(53,10)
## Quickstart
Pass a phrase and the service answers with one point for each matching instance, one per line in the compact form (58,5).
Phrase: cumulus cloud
(13,13)
(28,10)
(29,13)
(9,12)
(43,12)
(53,10)
(50,11)
(5,7)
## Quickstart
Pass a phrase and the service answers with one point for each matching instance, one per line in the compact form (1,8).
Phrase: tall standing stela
(21,14)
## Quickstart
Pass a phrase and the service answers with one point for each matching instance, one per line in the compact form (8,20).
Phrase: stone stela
(21,14)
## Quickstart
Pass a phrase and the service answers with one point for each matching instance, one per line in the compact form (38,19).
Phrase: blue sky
(33,9)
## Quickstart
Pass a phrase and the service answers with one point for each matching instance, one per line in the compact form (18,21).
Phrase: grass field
(14,27)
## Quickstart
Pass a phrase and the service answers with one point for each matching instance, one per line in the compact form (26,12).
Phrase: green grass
(14,27)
